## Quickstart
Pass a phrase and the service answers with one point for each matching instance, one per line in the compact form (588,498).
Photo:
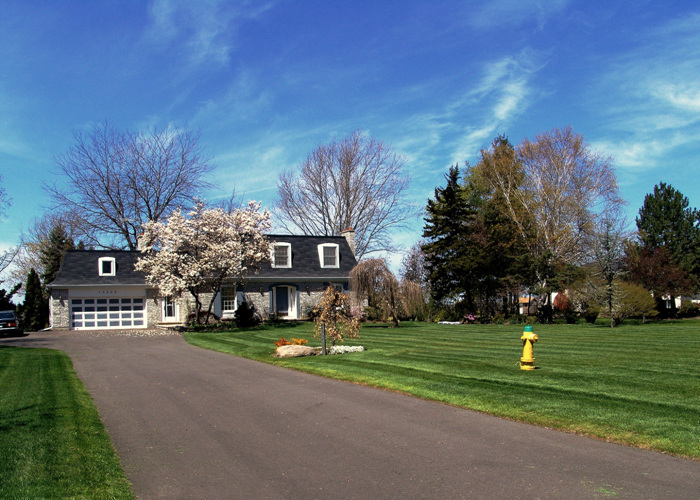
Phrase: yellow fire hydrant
(527,362)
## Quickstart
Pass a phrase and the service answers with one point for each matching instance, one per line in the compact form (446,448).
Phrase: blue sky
(266,82)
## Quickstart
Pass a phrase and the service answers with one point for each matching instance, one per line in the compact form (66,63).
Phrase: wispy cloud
(202,31)
(660,89)
(501,13)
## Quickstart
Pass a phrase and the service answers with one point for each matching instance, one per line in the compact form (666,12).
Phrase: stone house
(100,289)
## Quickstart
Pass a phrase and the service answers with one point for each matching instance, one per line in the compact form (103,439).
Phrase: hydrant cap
(528,328)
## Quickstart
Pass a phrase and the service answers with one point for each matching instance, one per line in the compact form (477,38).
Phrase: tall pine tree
(667,221)
(454,236)
(52,253)
(35,311)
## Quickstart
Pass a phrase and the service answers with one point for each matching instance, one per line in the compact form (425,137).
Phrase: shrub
(358,313)
(204,318)
(299,341)
(531,320)
(590,314)
(246,316)
(310,312)
(372,313)
(688,309)
(282,341)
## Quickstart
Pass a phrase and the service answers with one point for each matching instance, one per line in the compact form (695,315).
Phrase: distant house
(527,306)
(97,289)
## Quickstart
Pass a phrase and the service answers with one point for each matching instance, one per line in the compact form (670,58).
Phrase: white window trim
(113,266)
(337,255)
(289,255)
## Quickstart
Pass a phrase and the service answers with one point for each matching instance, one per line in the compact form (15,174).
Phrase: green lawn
(635,384)
(52,442)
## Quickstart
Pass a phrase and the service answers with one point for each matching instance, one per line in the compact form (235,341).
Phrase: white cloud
(685,97)
(658,96)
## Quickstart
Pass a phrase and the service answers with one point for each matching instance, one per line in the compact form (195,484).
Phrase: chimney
(349,235)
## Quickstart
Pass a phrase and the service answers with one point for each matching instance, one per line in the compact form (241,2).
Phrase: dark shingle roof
(80,267)
(305,260)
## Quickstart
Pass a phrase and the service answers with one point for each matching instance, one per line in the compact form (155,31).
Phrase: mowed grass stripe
(53,443)
(635,384)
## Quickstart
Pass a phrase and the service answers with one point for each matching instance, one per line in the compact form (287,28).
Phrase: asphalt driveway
(191,423)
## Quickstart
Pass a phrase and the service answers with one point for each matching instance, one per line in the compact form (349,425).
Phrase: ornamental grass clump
(335,313)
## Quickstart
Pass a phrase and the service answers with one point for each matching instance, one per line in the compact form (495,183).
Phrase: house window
(228,299)
(107,266)
(282,255)
(328,255)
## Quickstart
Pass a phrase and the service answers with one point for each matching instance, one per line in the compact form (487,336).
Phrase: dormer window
(282,255)
(328,255)
(107,266)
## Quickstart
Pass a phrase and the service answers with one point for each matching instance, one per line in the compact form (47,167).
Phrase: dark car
(9,324)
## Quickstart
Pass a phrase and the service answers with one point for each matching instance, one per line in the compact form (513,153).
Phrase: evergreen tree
(35,311)
(498,172)
(666,221)
(6,297)
(454,235)
(51,254)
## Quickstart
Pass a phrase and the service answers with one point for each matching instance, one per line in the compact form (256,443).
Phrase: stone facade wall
(309,295)
(60,313)
(153,307)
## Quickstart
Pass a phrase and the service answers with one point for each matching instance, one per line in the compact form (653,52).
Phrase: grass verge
(53,444)
(636,384)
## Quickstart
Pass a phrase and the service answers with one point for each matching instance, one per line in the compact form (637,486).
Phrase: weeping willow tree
(372,282)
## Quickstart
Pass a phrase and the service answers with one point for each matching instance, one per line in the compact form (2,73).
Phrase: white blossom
(200,252)
(344,349)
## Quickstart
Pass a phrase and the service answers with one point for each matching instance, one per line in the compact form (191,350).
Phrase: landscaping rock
(294,351)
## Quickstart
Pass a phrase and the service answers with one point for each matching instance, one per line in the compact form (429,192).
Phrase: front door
(282,300)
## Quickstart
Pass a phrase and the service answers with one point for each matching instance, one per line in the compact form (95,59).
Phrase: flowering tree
(335,313)
(197,254)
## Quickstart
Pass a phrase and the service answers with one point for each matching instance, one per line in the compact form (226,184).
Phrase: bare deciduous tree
(556,191)
(567,189)
(118,181)
(356,183)
(7,256)
(36,240)
(4,200)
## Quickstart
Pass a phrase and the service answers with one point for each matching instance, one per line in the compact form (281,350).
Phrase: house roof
(80,267)
(305,259)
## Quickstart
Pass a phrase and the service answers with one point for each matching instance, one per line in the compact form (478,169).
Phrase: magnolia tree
(198,253)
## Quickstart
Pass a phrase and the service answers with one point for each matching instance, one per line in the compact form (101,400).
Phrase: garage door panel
(108,313)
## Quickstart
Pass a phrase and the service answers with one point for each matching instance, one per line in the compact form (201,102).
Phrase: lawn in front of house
(52,441)
(637,384)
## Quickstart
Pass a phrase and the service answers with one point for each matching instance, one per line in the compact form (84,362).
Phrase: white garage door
(107,313)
